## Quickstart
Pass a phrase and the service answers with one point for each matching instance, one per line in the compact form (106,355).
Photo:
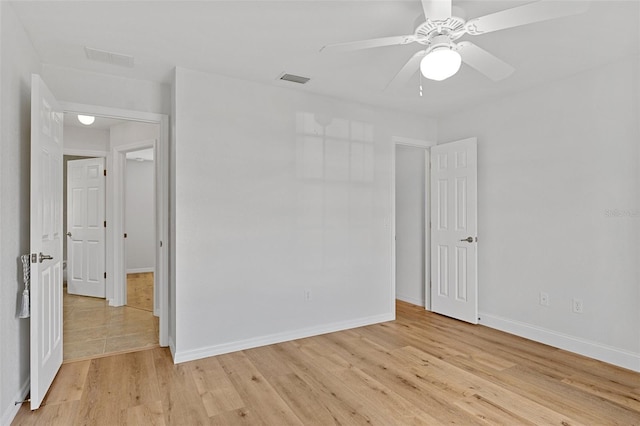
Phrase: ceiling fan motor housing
(427,33)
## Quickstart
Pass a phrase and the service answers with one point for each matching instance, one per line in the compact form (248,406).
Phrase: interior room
(301,209)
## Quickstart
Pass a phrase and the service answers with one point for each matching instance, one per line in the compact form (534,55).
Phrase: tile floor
(92,328)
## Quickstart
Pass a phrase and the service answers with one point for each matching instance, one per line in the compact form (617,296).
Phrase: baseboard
(412,300)
(140,270)
(599,351)
(9,413)
(271,339)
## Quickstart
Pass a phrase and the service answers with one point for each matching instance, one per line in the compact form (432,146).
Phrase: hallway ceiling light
(87,120)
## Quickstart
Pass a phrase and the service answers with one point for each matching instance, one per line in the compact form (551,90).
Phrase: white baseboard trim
(9,413)
(412,300)
(140,270)
(599,351)
(271,339)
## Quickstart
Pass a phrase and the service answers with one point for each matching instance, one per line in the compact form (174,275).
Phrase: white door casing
(454,218)
(86,227)
(46,239)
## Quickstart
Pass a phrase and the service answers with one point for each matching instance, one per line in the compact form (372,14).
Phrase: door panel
(85,224)
(454,207)
(45,240)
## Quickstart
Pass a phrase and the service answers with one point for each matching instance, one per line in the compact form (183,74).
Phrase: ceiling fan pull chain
(420,84)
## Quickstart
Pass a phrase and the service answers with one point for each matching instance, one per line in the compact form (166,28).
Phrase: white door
(454,223)
(86,227)
(46,239)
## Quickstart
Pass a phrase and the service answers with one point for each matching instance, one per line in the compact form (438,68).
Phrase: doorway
(139,219)
(109,325)
(411,221)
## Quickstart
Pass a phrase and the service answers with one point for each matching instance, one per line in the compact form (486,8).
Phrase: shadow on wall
(335,201)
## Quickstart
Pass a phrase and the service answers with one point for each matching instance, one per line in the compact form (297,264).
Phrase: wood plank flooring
(422,369)
(140,291)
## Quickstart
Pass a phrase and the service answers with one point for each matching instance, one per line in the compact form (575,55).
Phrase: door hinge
(104,172)
(105,223)
(105,275)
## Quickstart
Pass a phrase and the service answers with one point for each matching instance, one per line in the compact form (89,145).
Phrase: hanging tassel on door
(25,310)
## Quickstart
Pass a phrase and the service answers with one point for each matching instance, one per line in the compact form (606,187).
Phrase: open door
(454,219)
(46,239)
(86,227)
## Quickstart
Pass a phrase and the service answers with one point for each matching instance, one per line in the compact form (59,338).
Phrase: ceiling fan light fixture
(87,120)
(441,63)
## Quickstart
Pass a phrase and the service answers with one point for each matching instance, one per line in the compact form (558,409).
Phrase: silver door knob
(68,234)
(468,239)
(43,257)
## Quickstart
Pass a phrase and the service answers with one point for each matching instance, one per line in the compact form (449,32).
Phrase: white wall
(139,216)
(90,88)
(131,132)
(410,224)
(554,162)
(86,139)
(279,192)
(17,61)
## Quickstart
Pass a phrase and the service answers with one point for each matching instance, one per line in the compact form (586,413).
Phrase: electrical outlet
(544,298)
(577,306)
(307,295)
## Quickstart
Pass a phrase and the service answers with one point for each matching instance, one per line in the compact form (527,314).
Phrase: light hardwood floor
(422,369)
(92,328)
(140,291)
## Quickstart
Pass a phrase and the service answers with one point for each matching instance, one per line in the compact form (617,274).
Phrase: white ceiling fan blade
(368,44)
(483,61)
(437,10)
(529,13)
(407,71)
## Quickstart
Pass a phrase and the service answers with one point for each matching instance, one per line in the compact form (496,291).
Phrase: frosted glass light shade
(440,64)
(86,119)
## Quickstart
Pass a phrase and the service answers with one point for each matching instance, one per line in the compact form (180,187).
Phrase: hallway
(92,328)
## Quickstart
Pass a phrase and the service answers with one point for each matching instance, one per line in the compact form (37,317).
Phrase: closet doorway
(139,222)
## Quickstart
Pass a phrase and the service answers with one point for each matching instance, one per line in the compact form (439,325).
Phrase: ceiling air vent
(112,58)
(294,78)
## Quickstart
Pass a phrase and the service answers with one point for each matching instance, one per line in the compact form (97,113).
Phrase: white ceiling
(258,40)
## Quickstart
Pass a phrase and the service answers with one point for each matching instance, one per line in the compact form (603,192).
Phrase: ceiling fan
(442,57)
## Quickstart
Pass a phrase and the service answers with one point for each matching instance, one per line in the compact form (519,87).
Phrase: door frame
(426,145)
(161,158)
(119,226)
